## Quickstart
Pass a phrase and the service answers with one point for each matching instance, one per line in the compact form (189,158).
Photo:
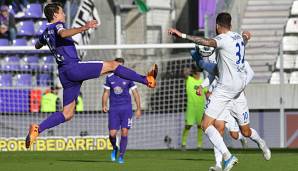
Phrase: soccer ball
(205,51)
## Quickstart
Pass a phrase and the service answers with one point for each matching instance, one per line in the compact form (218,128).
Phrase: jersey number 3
(240,53)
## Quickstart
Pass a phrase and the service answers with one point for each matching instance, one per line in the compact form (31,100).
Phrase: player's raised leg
(254,136)
(53,120)
(207,66)
(126,73)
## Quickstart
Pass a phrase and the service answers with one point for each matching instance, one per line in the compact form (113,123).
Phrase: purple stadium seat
(44,80)
(25,28)
(18,100)
(30,63)
(40,27)
(33,11)
(19,42)
(5,80)
(47,63)
(4,42)
(11,63)
(23,80)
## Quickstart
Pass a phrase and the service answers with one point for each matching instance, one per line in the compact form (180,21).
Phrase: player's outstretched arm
(73,31)
(194,39)
(105,96)
(138,102)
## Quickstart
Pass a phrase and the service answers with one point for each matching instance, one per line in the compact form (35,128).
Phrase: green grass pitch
(156,160)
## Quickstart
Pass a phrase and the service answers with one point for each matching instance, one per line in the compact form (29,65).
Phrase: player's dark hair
(120,60)
(50,9)
(195,69)
(224,19)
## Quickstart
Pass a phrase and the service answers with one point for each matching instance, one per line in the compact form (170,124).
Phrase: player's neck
(55,21)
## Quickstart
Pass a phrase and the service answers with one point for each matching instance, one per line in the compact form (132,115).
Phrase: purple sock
(113,142)
(129,74)
(123,144)
(53,120)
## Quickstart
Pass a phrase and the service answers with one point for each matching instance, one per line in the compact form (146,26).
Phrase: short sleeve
(219,41)
(107,84)
(132,85)
(59,26)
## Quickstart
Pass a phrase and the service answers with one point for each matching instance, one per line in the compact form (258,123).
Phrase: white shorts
(218,101)
(240,110)
(235,105)
(230,122)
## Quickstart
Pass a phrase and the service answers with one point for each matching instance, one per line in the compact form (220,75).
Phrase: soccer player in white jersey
(231,83)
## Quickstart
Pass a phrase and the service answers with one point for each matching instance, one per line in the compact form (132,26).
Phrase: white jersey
(230,61)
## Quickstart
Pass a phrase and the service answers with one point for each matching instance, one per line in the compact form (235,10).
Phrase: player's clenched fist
(174,32)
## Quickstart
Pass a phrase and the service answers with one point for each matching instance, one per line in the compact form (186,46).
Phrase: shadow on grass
(87,161)
(192,159)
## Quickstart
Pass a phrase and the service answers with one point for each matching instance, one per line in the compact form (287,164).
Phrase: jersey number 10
(240,53)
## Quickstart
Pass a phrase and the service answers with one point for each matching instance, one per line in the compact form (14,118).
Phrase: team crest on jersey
(124,83)
(118,90)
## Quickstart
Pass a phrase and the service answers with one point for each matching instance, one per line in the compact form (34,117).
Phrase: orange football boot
(32,135)
(151,76)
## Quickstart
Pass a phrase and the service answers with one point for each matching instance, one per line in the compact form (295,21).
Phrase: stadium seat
(296,62)
(290,43)
(294,10)
(47,63)
(289,61)
(4,42)
(275,78)
(40,27)
(33,11)
(294,77)
(292,25)
(44,80)
(5,80)
(23,80)
(11,63)
(25,28)
(19,42)
(18,100)
(30,63)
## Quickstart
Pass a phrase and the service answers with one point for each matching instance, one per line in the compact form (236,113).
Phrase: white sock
(218,157)
(255,136)
(217,141)
(240,136)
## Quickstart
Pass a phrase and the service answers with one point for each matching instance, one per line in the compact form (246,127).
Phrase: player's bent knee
(68,116)
(246,132)
(109,66)
(124,132)
(234,135)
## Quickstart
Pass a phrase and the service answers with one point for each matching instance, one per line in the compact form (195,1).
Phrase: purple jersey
(119,90)
(63,49)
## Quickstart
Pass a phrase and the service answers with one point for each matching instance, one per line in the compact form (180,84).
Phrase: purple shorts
(120,116)
(73,75)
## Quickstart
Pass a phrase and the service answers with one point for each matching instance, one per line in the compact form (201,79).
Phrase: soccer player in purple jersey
(120,110)
(72,71)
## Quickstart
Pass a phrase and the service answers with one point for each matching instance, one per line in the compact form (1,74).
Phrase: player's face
(60,16)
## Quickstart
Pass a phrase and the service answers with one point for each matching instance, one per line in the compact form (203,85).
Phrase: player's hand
(138,113)
(105,109)
(174,32)
(90,24)
(246,34)
(199,91)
